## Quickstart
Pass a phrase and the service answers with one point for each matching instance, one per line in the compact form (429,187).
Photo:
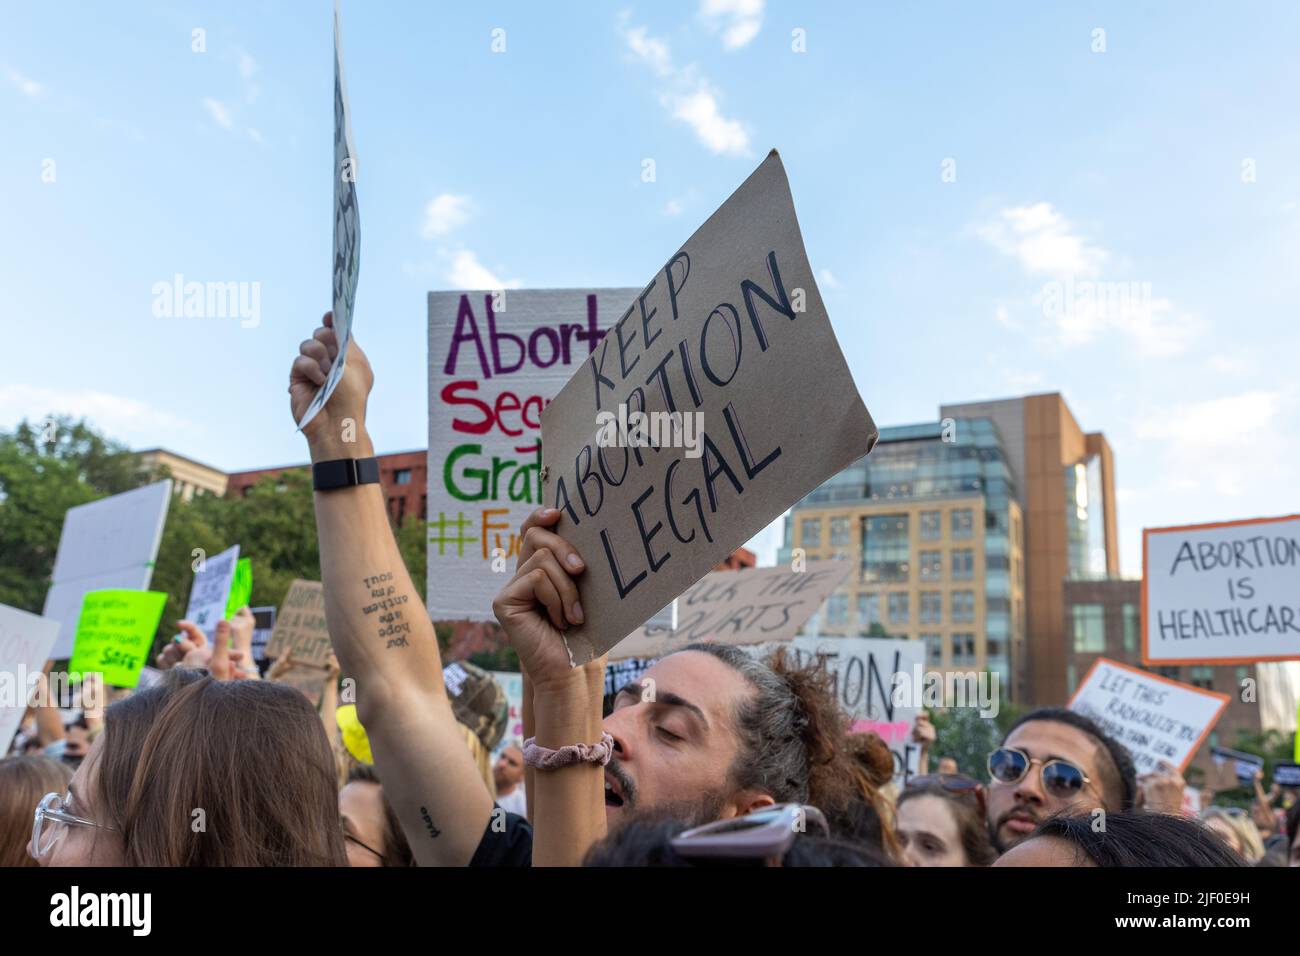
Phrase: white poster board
(496,358)
(25,643)
(1155,718)
(106,544)
(1225,593)
(211,590)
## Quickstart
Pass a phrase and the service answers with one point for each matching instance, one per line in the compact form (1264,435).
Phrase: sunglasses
(1060,778)
(766,833)
(955,783)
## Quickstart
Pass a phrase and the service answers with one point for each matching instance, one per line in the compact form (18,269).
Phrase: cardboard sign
(513,685)
(1226,593)
(241,587)
(109,543)
(718,399)
(347,230)
(306,678)
(866,672)
(210,591)
(25,644)
(114,633)
(496,359)
(300,631)
(1155,718)
(741,607)
(1244,766)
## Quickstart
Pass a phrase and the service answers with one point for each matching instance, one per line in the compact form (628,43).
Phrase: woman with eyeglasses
(23,781)
(941,822)
(371,829)
(199,772)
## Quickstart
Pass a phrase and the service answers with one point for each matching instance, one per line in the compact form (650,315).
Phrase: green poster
(114,633)
(241,587)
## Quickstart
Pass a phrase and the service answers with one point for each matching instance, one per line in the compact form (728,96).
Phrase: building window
(837,610)
(931,566)
(993,648)
(810,532)
(931,526)
(1130,612)
(886,548)
(933,649)
(1170,672)
(1243,673)
(963,649)
(899,607)
(963,564)
(1089,628)
(931,607)
(424,507)
(962,526)
(402,476)
(1203,677)
(1071,679)
(868,609)
(963,607)
(839,531)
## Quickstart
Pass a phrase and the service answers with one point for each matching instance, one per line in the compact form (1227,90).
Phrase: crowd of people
(716,755)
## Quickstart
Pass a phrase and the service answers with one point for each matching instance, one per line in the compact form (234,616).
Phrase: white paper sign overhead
(1153,717)
(496,358)
(347,231)
(25,644)
(867,672)
(211,590)
(106,544)
(1226,593)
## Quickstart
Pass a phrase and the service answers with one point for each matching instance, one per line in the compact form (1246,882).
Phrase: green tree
(961,733)
(39,481)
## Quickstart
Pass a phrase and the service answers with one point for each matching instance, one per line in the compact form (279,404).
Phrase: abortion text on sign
(732,328)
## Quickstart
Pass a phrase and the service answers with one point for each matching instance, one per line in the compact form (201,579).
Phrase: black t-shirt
(511,846)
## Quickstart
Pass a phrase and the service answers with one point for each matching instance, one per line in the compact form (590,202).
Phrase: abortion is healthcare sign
(1226,593)
(495,361)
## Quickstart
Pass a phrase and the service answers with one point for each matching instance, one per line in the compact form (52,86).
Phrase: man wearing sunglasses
(1052,760)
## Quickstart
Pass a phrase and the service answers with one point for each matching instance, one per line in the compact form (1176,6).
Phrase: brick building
(401,474)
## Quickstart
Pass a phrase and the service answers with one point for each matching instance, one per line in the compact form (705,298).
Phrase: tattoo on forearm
(434,832)
(386,601)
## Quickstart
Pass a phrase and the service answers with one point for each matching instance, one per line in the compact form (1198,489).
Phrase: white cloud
(1226,446)
(445,214)
(118,417)
(25,85)
(1043,241)
(828,279)
(247,66)
(689,97)
(739,20)
(673,207)
(219,112)
(467,272)
(255,135)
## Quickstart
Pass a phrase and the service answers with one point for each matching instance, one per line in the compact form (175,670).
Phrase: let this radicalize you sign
(731,333)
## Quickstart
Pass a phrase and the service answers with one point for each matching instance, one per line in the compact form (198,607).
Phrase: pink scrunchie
(542,758)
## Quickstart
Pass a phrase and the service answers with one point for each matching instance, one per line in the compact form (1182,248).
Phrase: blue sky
(1163,153)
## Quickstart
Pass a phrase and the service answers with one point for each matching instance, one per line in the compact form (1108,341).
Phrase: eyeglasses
(1061,778)
(45,835)
(954,783)
(765,833)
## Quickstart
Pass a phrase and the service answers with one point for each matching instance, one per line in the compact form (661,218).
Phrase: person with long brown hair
(370,827)
(23,781)
(200,772)
(941,822)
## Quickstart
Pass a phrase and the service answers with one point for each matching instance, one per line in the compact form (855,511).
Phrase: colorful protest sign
(301,632)
(719,399)
(241,587)
(495,360)
(210,591)
(1154,717)
(876,684)
(751,606)
(109,543)
(347,230)
(114,633)
(25,643)
(512,684)
(1225,593)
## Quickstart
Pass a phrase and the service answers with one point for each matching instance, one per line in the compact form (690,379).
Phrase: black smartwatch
(344,473)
